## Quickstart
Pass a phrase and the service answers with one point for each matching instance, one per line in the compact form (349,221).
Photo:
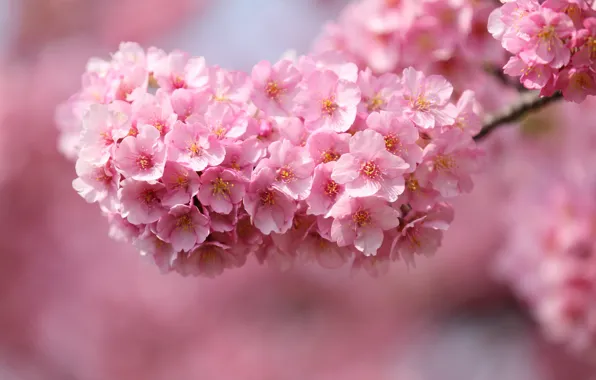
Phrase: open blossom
(221,189)
(177,70)
(275,86)
(327,146)
(293,167)
(104,125)
(400,135)
(361,222)
(223,122)
(305,160)
(325,191)
(326,101)
(155,110)
(422,232)
(547,31)
(181,184)
(552,43)
(183,227)
(271,209)
(369,169)
(97,183)
(425,98)
(449,162)
(378,93)
(141,201)
(193,146)
(141,157)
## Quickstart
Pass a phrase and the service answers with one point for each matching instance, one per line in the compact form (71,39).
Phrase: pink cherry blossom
(577,83)
(325,191)
(97,183)
(141,157)
(270,209)
(223,122)
(210,260)
(586,40)
(327,146)
(186,103)
(177,70)
(275,86)
(377,92)
(184,227)
(400,136)
(221,189)
(468,111)
(155,110)
(103,126)
(448,163)
(232,87)
(547,31)
(181,184)
(193,146)
(361,222)
(141,201)
(293,167)
(422,233)
(369,169)
(424,98)
(328,102)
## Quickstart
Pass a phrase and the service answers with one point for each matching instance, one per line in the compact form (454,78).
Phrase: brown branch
(529,102)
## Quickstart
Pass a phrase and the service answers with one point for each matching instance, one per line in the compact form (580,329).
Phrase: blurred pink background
(76,305)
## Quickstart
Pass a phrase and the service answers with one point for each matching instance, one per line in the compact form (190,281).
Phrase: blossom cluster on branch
(553,44)
(309,159)
(443,37)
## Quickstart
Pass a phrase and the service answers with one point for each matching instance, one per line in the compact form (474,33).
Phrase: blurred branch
(529,102)
(505,79)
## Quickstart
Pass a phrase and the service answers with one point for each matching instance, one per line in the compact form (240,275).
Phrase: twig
(529,102)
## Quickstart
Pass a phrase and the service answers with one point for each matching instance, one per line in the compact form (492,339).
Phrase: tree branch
(529,102)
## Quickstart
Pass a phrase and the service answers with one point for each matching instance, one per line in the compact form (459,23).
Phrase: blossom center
(208,256)
(273,90)
(152,82)
(144,161)
(221,187)
(285,174)
(412,184)
(133,131)
(184,223)
(547,34)
(267,198)
(444,162)
(178,82)
(375,103)
(361,218)
(329,155)
(328,106)
(370,169)
(107,138)
(331,188)
(392,143)
(194,149)
(159,126)
(421,104)
(148,197)
(181,182)
(220,131)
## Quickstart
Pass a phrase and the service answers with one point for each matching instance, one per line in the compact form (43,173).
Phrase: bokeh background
(75,305)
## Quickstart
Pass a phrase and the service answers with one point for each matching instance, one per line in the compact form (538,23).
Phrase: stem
(529,102)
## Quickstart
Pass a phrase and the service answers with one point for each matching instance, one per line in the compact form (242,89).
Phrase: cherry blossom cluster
(550,261)
(311,160)
(443,37)
(553,45)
